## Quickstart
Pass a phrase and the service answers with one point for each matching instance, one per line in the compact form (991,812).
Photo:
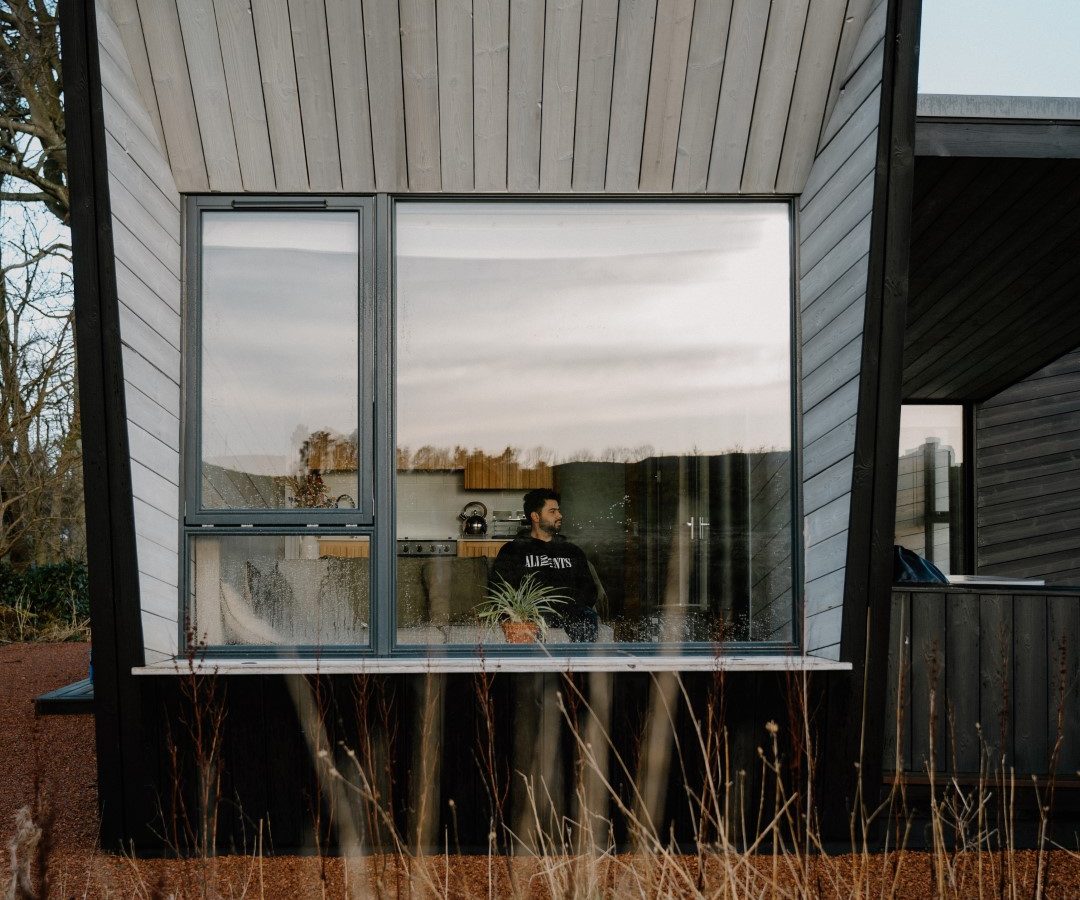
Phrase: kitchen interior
(681,547)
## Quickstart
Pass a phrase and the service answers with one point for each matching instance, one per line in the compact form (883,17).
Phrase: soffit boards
(724,96)
(994,276)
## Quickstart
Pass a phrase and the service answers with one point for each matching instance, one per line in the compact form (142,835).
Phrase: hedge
(58,590)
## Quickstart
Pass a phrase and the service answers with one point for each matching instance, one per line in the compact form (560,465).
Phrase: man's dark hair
(534,501)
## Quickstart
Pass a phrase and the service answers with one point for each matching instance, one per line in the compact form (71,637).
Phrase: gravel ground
(48,763)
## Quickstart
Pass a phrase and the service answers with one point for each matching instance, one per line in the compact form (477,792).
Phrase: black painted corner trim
(110,521)
(864,639)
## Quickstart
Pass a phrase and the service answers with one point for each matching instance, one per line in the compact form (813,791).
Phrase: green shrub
(33,603)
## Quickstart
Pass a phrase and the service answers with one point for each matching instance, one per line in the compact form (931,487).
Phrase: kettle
(473,521)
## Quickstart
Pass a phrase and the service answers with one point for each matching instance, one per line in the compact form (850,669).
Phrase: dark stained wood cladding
(999,663)
(995,261)
(1027,470)
(425,750)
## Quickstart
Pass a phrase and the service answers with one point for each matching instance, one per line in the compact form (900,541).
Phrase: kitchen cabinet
(343,549)
(479,548)
(502,472)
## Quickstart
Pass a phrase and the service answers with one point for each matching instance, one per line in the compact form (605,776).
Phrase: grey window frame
(193,513)
(376,519)
(387,304)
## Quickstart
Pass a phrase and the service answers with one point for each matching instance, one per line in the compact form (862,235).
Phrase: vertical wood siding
(1000,665)
(1027,466)
(834,246)
(729,96)
(146,232)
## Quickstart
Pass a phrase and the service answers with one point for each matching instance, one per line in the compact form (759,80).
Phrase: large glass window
(589,399)
(278,449)
(635,359)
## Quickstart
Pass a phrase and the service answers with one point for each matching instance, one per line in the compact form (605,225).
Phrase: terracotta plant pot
(520,632)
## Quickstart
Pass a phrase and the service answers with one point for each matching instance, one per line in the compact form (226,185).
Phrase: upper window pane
(280,360)
(634,357)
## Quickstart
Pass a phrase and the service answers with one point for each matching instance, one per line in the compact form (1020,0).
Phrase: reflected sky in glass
(922,422)
(280,295)
(581,327)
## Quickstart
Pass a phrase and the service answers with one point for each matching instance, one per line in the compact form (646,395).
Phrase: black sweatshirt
(556,563)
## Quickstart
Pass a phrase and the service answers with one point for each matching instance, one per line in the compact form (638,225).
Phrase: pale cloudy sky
(1018,47)
(589,327)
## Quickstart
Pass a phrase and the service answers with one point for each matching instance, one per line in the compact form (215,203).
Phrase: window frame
(193,513)
(378,408)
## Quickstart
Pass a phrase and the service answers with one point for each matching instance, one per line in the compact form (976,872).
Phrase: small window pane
(292,589)
(279,364)
(635,357)
(929,484)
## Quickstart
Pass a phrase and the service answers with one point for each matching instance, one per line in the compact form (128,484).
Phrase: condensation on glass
(636,358)
(929,484)
(289,589)
(279,348)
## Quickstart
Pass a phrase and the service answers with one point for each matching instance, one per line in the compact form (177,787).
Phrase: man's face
(549,518)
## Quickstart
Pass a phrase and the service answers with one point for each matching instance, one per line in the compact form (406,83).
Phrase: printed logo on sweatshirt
(534,561)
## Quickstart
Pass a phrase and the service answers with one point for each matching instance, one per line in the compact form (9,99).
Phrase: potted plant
(521,610)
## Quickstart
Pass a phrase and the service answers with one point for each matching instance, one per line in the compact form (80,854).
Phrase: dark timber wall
(1028,477)
(997,663)
(423,743)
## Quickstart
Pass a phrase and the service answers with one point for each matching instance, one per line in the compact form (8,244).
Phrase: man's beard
(548,528)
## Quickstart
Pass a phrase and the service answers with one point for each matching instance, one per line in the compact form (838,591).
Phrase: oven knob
(404,548)
(419,548)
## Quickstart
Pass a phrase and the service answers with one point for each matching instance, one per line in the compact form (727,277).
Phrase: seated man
(555,561)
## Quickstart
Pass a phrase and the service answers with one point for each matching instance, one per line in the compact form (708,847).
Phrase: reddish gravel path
(50,762)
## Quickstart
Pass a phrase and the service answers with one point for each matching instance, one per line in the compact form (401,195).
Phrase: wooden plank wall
(146,235)
(1027,471)
(1003,667)
(834,247)
(995,259)
(493,95)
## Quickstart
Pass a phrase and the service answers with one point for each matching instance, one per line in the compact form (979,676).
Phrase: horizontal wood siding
(995,258)
(495,95)
(974,673)
(1027,469)
(834,247)
(146,230)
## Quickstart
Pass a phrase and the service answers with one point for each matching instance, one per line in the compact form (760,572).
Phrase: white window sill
(423,665)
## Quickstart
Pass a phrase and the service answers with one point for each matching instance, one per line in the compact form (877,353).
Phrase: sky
(1015,47)
(594,326)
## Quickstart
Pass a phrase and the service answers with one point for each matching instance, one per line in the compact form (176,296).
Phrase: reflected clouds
(588,326)
(280,334)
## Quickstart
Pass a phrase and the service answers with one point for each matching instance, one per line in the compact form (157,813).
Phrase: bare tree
(40,466)
(33,146)
(40,473)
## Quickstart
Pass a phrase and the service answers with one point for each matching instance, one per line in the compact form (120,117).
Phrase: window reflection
(635,358)
(279,364)
(929,484)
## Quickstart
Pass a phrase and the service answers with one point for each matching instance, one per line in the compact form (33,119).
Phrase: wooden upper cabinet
(500,472)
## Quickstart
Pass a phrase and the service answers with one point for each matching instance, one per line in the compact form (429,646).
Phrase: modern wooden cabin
(348,271)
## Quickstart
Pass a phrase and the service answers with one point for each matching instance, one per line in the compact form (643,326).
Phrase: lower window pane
(289,589)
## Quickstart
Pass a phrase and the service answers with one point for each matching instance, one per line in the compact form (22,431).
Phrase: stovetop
(427,547)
